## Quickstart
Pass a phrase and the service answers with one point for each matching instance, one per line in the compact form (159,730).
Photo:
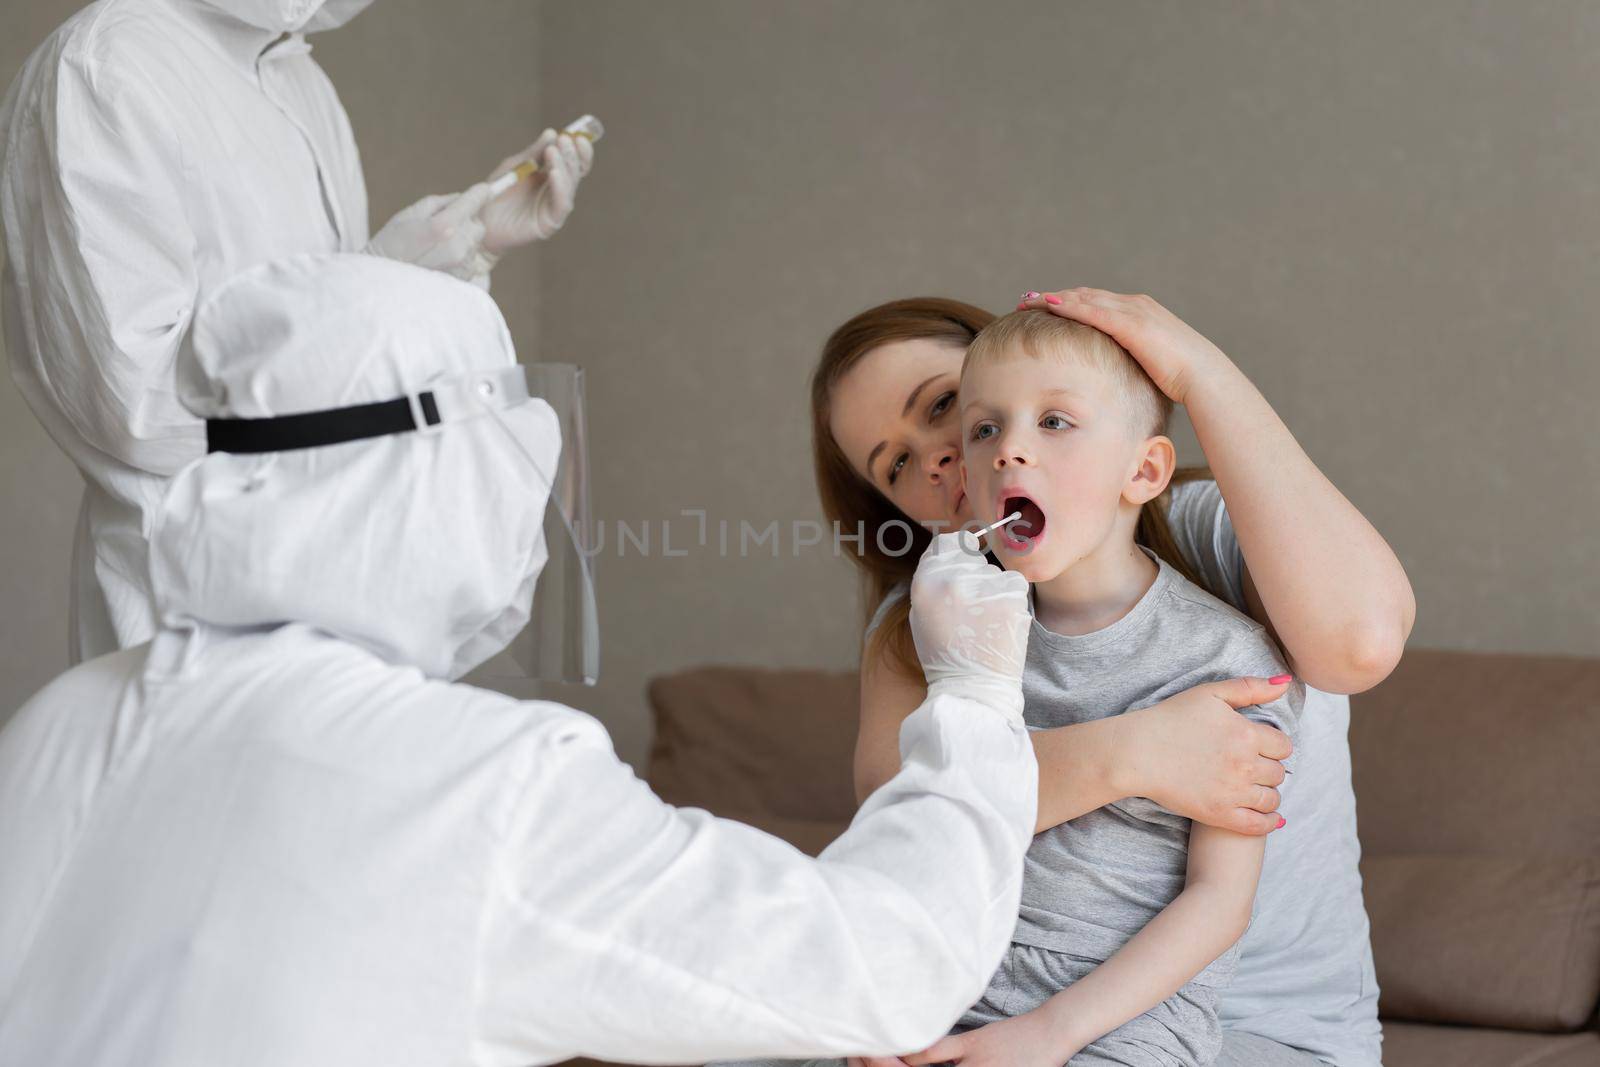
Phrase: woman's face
(896,418)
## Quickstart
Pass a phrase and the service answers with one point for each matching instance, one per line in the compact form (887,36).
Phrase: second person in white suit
(155,147)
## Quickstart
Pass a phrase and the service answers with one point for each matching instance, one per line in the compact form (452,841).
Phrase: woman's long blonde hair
(849,500)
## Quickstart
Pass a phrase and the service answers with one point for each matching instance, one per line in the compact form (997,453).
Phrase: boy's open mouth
(1024,533)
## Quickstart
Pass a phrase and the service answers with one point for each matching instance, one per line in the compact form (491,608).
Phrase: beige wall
(1386,213)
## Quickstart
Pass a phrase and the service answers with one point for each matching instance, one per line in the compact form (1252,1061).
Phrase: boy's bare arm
(1198,926)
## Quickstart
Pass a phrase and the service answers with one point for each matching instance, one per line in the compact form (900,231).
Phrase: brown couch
(1478,780)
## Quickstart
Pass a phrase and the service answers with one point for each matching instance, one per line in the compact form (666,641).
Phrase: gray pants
(1181,1031)
(1238,1050)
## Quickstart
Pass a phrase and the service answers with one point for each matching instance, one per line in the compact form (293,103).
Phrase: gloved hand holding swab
(520,211)
(464,234)
(586,126)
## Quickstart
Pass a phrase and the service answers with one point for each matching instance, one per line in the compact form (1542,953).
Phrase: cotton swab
(584,126)
(1013,517)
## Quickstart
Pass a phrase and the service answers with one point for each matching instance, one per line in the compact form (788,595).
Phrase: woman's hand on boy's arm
(1192,753)
(1201,765)
(1196,756)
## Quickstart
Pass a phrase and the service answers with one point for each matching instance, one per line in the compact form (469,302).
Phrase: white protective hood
(288,16)
(421,546)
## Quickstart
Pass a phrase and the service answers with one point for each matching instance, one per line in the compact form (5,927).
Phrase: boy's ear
(1158,459)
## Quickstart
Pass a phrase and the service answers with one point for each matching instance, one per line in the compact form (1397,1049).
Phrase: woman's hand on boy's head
(1171,351)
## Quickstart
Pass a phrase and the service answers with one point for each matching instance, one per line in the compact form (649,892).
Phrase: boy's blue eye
(984,430)
(1055,422)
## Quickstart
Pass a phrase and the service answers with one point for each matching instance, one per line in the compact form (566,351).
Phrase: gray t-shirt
(1304,975)
(1092,883)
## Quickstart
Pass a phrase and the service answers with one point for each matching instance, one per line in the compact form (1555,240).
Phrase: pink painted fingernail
(1052,299)
(1280,679)
(1281,822)
(1022,307)
(1030,295)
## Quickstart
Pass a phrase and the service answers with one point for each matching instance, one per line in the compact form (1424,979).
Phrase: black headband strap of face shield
(312,429)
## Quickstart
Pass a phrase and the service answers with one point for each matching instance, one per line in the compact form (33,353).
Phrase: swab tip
(1013,517)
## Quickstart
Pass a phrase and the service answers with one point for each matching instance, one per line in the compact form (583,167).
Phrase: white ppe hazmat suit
(278,834)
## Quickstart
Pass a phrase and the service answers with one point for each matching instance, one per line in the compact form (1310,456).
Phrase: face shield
(561,640)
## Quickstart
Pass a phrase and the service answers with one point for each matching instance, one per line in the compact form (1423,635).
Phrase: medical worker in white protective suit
(279,834)
(153,147)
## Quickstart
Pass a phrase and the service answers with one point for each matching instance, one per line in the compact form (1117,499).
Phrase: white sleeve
(630,930)
(1200,525)
(112,280)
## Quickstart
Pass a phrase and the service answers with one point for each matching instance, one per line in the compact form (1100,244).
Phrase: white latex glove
(443,233)
(535,208)
(970,621)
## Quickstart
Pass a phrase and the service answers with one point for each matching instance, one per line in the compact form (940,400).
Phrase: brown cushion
(1421,1045)
(1470,752)
(772,747)
(1503,941)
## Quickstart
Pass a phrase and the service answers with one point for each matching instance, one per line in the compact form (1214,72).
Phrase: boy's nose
(1011,448)
(1011,457)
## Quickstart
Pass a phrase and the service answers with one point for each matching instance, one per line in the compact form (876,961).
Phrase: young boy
(1129,915)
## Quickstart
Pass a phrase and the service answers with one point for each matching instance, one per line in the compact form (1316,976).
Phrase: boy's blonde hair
(1042,335)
